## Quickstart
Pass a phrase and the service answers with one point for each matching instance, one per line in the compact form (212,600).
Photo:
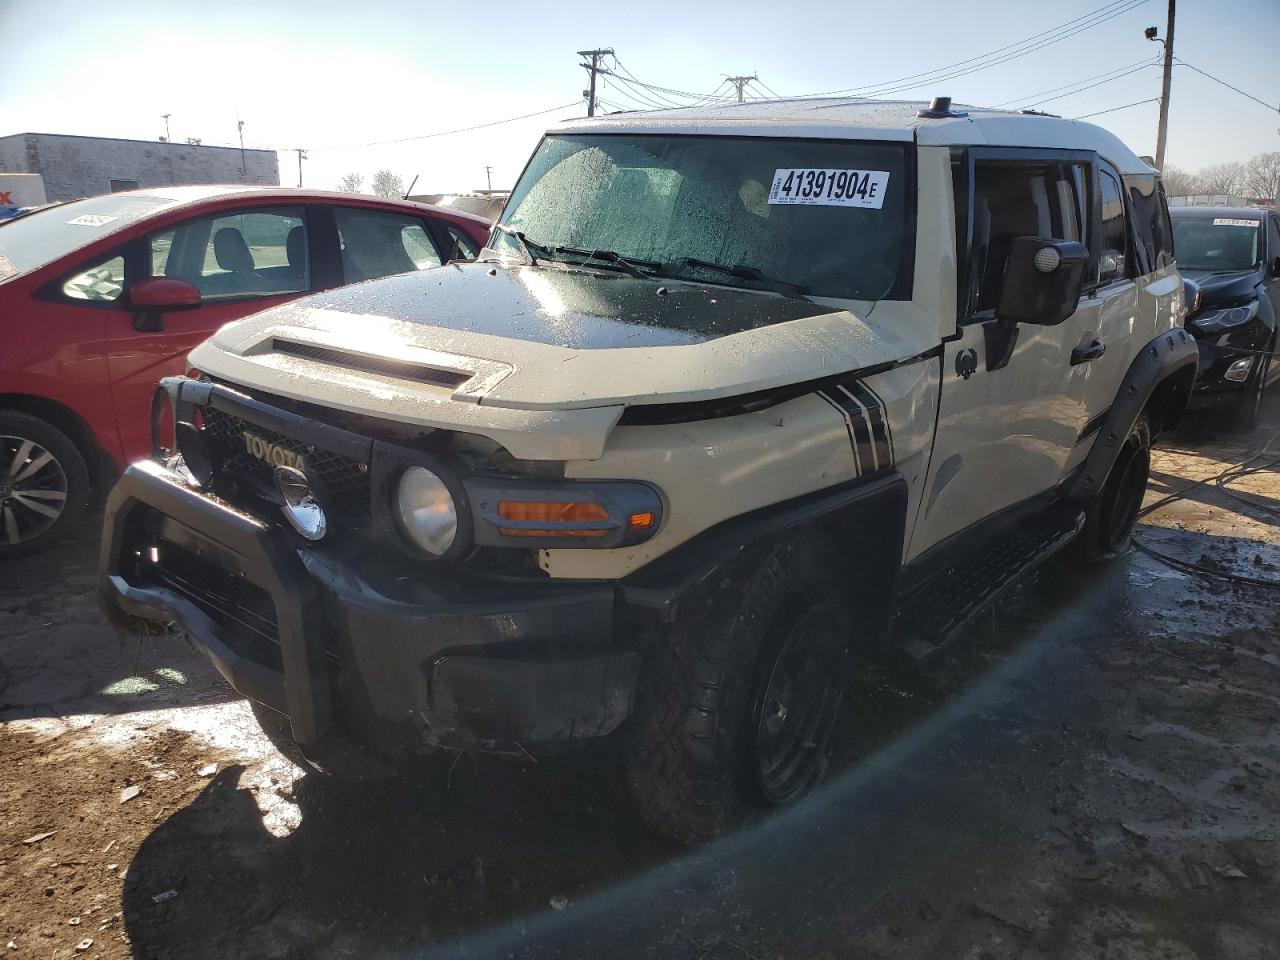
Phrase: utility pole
(1162,135)
(166,117)
(302,155)
(740,83)
(488,175)
(244,168)
(593,68)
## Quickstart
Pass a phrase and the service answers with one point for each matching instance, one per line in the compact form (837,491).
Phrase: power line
(1037,101)
(1182,85)
(446,133)
(1031,96)
(1072,93)
(1227,85)
(1098,113)
(995,57)
(769,90)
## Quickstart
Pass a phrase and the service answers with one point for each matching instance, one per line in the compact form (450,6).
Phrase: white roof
(843,118)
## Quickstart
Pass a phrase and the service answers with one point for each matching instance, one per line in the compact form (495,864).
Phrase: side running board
(934,610)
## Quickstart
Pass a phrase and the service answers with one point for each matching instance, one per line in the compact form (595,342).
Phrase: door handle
(1088,351)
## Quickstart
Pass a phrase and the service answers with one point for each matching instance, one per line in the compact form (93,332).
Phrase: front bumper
(1217,355)
(351,649)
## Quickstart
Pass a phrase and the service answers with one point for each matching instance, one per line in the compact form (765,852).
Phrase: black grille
(403,369)
(243,610)
(344,482)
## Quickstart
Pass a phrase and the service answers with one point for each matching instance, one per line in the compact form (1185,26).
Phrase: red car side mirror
(156,294)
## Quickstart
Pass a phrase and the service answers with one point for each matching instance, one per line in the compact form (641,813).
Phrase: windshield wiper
(793,290)
(634,267)
(527,246)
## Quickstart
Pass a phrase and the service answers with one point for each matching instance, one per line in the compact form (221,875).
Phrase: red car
(100,298)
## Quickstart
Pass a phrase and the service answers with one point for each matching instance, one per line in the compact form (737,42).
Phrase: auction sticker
(92,220)
(1228,222)
(7,269)
(829,188)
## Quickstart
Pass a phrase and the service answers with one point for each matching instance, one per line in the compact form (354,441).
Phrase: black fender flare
(1163,371)
(863,522)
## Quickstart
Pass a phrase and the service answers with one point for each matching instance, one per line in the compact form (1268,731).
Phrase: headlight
(1217,320)
(426,510)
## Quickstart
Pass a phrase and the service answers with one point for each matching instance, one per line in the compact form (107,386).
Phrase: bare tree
(351,183)
(1262,176)
(1179,183)
(388,184)
(1225,178)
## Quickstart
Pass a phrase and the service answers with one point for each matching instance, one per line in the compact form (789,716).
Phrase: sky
(332,76)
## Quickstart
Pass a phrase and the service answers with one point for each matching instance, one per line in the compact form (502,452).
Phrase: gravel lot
(1094,772)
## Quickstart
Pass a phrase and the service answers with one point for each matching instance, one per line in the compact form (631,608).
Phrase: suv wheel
(1111,516)
(44,484)
(737,704)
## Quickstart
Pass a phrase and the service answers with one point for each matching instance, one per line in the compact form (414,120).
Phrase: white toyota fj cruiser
(737,397)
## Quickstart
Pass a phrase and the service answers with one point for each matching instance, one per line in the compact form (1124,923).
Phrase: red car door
(242,260)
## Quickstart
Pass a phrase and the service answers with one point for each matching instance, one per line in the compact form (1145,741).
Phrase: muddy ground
(1093,772)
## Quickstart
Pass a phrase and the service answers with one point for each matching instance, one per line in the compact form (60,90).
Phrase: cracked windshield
(729,483)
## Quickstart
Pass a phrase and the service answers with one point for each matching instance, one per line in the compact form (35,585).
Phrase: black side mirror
(1275,267)
(1043,280)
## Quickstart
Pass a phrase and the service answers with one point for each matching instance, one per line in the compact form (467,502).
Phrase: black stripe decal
(848,425)
(879,426)
(861,428)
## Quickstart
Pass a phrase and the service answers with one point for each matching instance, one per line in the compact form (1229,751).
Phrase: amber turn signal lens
(551,513)
(641,521)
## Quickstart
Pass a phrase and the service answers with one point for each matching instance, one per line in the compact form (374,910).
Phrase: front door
(1007,429)
(241,261)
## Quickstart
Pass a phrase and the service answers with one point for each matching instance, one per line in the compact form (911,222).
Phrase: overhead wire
(1098,113)
(446,133)
(994,57)
(1229,86)
(1091,86)
(1029,98)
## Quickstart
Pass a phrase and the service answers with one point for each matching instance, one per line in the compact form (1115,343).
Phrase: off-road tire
(1111,516)
(690,757)
(74,476)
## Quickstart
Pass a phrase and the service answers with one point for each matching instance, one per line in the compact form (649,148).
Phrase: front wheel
(737,704)
(44,484)
(1111,516)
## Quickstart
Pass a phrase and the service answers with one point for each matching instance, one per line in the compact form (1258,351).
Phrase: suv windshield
(39,238)
(827,218)
(1215,243)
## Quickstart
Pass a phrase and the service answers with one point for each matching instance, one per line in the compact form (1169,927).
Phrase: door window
(251,253)
(1151,218)
(1013,199)
(1273,239)
(377,243)
(103,282)
(1113,261)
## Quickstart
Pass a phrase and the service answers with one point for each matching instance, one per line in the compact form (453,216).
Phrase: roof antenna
(939,108)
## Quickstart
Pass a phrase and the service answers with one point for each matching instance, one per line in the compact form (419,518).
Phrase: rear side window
(377,243)
(1273,238)
(1113,261)
(1151,220)
(461,246)
(1019,199)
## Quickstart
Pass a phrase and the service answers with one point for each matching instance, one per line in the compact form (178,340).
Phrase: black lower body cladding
(356,650)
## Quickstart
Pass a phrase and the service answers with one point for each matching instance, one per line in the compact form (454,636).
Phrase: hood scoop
(383,366)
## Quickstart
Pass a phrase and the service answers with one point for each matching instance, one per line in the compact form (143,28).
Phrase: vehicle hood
(1218,287)
(543,343)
